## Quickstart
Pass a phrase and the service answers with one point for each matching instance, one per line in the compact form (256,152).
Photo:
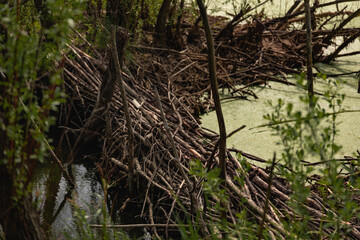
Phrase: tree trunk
(215,91)
(118,65)
(160,27)
(309,64)
(19,220)
(46,19)
(118,12)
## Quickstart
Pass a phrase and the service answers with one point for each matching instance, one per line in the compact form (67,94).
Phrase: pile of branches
(161,155)
(249,52)
(253,49)
(164,89)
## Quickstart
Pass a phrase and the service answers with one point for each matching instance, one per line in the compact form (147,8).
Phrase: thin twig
(57,160)
(268,191)
(125,104)
(175,151)
(125,226)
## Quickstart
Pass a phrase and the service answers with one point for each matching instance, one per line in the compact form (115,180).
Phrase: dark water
(58,201)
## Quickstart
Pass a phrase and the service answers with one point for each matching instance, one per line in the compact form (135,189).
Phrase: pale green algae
(261,141)
(271,8)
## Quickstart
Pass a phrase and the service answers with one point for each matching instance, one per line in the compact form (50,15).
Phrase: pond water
(261,141)
(58,201)
(271,8)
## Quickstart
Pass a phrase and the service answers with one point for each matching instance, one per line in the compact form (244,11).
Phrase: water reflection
(57,198)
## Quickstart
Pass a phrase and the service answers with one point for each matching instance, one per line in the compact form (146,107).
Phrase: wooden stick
(176,154)
(309,51)
(214,90)
(268,192)
(57,160)
(125,226)
(125,103)
(341,47)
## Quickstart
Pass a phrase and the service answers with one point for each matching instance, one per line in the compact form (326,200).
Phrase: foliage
(86,231)
(30,80)
(244,228)
(30,73)
(97,23)
(309,134)
(25,115)
(146,12)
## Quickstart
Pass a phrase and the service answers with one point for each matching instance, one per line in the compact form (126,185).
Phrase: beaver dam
(143,147)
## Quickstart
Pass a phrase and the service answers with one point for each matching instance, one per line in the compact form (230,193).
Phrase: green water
(261,141)
(274,8)
(53,192)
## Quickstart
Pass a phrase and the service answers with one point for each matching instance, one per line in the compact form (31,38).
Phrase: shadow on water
(58,201)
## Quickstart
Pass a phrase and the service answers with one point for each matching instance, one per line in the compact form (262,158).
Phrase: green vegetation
(304,135)
(243,227)
(83,221)
(30,45)
(34,37)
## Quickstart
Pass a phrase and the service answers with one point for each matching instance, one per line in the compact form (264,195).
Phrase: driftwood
(167,131)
